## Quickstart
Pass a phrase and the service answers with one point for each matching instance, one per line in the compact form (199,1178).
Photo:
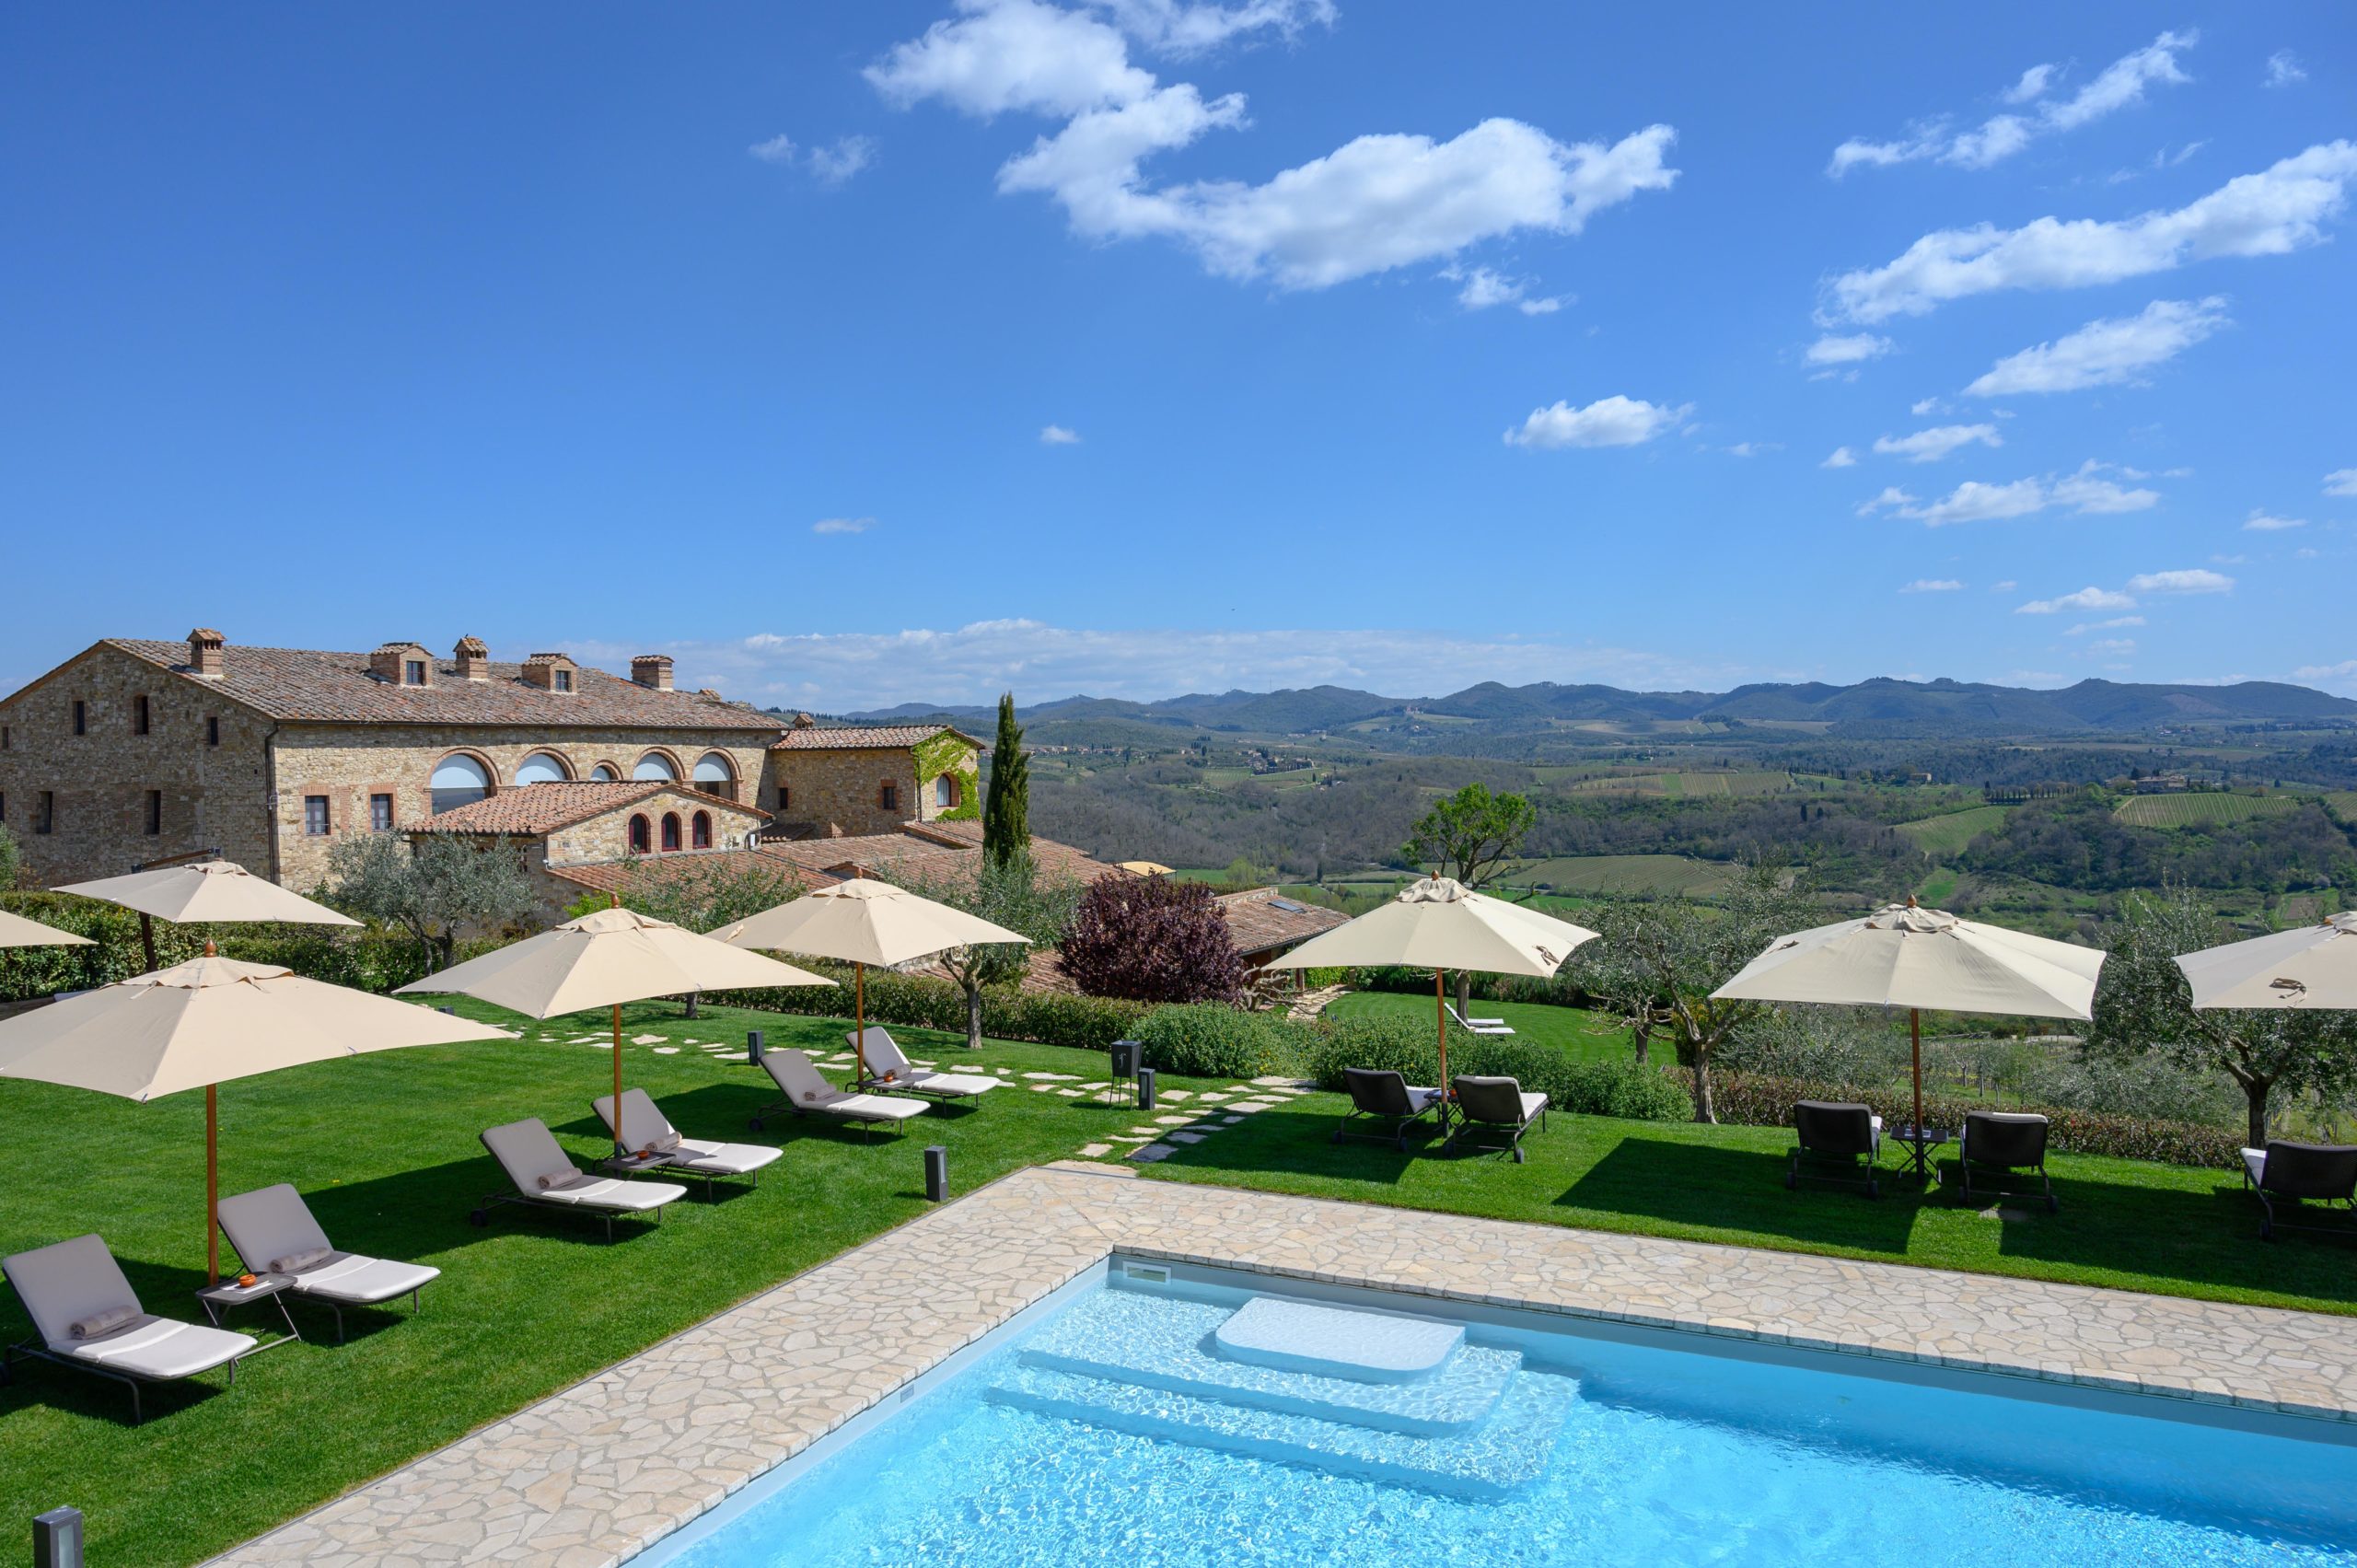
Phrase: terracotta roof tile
(863,738)
(1263,919)
(536,808)
(306,684)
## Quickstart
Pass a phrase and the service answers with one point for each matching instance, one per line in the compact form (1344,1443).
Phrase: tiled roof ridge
(861,736)
(595,797)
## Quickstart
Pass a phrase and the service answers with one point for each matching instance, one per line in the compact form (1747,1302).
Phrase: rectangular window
(81,716)
(45,812)
(155,812)
(8,741)
(139,715)
(213,729)
(889,796)
(314,816)
(563,678)
(4,808)
(380,812)
(413,672)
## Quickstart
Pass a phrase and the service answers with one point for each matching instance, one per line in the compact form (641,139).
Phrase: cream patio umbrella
(16,930)
(604,960)
(204,892)
(1439,923)
(204,1023)
(2308,966)
(860,922)
(1905,956)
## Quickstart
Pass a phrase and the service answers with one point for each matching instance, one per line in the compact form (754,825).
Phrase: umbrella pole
(211,1186)
(619,1151)
(1440,1022)
(1915,1039)
(859,1021)
(148,941)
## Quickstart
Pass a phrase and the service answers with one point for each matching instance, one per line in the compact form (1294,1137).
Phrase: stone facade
(839,792)
(605,839)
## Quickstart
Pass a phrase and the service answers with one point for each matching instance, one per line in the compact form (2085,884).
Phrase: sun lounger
(1498,1104)
(889,1067)
(273,1230)
(1831,1132)
(1384,1098)
(88,1317)
(2004,1140)
(808,1094)
(545,1178)
(2298,1173)
(645,1131)
(1477,1025)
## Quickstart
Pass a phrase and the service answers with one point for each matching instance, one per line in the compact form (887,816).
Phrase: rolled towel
(295,1262)
(667,1143)
(104,1322)
(561,1177)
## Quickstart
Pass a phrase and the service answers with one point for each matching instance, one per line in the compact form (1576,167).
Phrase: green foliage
(435,891)
(1008,891)
(1585,1088)
(702,893)
(11,860)
(1006,815)
(1211,1040)
(1471,834)
(947,753)
(927,1002)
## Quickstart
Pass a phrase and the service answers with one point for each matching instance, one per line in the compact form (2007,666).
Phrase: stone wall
(213,797)
(839,790)
(607,835)
(347,763)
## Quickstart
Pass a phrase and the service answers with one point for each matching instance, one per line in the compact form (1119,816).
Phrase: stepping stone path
(1174,1096)
(646,1040)
(1169,1133)
(1053,1077)
(1151,1153)
(666,1051)
(1094,1151)
(1172,1120)
(1187,1137)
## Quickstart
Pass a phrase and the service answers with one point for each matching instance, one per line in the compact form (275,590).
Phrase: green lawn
(383,1149)
(2123,1222)
(1588,1036)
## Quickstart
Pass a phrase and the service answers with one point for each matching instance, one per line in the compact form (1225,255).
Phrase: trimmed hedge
(1768,1102)
(1561,989)
(928,1002)
(1211,1040)
(1587,1088)
(366,960)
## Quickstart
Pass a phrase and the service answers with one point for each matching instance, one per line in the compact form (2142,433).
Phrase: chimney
(804,721)
(205,646)
(651,670)
(472,658)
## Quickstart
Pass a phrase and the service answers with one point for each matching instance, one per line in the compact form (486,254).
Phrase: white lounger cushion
(886,1059)
(63,1283)
(644,1127)
(805,1090)
(272,1223)
(528,1151)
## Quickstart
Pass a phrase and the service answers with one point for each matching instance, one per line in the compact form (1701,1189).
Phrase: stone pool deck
(602,1469)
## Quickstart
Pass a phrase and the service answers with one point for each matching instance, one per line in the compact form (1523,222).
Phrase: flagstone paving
(592,1474)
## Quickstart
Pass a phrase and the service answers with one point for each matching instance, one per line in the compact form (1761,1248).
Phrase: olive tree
(1470,836)
(2143,1005)
(1009,890)
(437,890)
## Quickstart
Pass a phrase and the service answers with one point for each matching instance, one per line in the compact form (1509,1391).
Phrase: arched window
(642,836)
(671,832)
(605,773)
(655,765)
(944,791)
(459,779)
(716,774)
(542,767)
(700,831)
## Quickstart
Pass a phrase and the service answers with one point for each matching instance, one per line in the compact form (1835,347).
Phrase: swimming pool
(1112,1424)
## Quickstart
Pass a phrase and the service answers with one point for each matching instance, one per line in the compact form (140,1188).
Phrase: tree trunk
(1464,995)
(2254,1092)
(693,997)
(973,1016)
(1705,1107)
(1641,1034)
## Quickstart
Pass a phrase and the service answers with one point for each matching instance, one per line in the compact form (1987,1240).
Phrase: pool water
(1115,1431)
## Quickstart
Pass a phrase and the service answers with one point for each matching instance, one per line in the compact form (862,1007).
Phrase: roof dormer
(402,663)
(552,672)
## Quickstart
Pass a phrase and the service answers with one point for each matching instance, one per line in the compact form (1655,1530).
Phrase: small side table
(220,1300)
(633,1165)
(1916,1145)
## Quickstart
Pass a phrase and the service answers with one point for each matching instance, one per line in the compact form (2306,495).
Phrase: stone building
(136,752)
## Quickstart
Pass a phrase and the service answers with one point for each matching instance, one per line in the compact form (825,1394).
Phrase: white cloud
(2260,522)
(2277,210)
(2105,353)
(2008,586)
(1930,446)
(2117,622)
(2283,69)
(1615,421)
(843,525)
(1974,501)
(1059,436)
(1484,288)
(1377,203)
(840,672)
(2085,598)
(1754,448)
(1922,407)
(2108,646)
(2345,670)
(1831,348)
(2121,85)
(2340,482)
(1932,585)
(1843,458)
(831,165)
(2193,580)
(1175,27)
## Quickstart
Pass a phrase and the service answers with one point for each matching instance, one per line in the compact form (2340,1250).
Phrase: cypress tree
(1006,808)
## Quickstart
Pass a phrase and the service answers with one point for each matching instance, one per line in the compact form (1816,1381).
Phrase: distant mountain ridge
(1880,705)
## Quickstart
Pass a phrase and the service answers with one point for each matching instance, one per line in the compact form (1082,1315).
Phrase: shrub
(1211,1040)
(1383,1042)
(927,1002)
(1768,1102)
(1152,940)
(1585,1088)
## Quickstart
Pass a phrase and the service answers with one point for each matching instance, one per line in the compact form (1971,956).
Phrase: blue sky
(863,353)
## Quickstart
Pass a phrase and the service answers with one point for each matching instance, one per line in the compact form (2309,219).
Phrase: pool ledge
(600,1470)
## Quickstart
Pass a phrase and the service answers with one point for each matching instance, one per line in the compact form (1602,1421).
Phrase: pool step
(1490,1460)
(1172,1344)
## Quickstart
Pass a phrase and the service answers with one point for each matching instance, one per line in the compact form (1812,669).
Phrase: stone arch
(544,767)
(657,764)
(460,778)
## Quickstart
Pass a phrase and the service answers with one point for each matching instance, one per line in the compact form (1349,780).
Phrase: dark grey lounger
(1827,1132)
(2003,1142)
(1499,1105)
(1384,1097)
(2297,1174)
